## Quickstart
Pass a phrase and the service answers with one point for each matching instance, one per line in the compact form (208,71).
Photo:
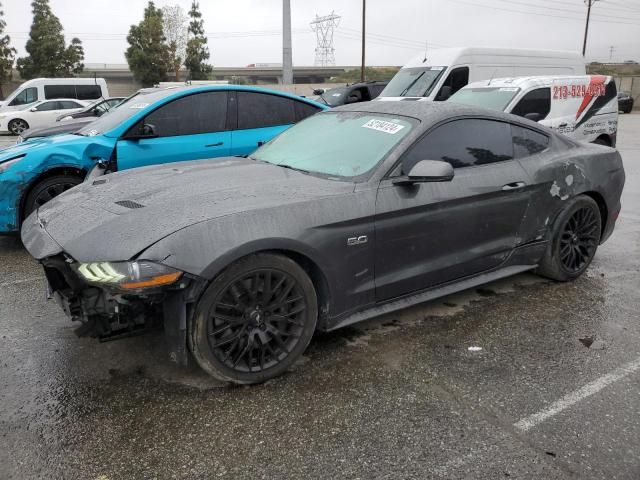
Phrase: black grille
(129,204)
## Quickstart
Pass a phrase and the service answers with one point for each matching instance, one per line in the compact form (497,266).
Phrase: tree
(7,53)
(148,53)
(74,56)
(175,31)
(48,55)
(197,50)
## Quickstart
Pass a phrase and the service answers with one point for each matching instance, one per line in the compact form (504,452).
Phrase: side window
(257,110)
(375,90)
(536,101)
(26,96)
(66,104)
(191,115)
(463,143)
(46,106)
(527,142)
(59,91)
(87,92)
(304,110)
(458,78)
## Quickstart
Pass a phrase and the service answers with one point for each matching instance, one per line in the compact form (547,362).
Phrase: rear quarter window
(527,142)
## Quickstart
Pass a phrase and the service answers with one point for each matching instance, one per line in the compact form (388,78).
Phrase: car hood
(39,143)
(116,217)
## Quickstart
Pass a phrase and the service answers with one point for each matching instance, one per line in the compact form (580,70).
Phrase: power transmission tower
(324,27)
(589,3)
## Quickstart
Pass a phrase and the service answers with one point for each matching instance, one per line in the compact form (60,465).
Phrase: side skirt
(427,295)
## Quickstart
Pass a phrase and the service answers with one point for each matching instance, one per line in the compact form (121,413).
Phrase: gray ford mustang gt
(355,212)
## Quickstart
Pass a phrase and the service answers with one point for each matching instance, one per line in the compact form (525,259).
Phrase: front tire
(48,189)
(254,320)
(17,126)
(575,237)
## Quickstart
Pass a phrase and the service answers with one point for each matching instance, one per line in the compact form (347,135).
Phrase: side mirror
(33,109)
(353,99)
(147,131)
(318,91)
(534,116)
(445,93)
(427,171)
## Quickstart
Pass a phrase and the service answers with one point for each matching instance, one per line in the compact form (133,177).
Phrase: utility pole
(364,11)
(586,27)
(611,50)
(287,59)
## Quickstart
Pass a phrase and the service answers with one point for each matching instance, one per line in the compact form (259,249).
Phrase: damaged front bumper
(109,313)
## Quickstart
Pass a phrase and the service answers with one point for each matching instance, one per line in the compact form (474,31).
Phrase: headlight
(4,165)
(129,275)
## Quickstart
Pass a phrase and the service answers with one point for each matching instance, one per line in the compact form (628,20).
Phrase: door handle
(513,186)
(219,144)
(562,125)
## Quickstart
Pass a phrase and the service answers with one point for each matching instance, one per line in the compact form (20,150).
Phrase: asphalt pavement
(523,378)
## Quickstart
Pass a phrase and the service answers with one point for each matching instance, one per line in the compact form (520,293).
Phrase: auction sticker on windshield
(383,126)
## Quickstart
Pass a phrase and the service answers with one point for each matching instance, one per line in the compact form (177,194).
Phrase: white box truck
(38,89)
(442,72)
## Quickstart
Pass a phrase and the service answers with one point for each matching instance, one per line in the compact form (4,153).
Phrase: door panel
(433,233)
(244,142)
(152,151)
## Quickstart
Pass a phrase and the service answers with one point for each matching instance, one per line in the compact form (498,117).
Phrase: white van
(38,89)
(584,108)
(444,71)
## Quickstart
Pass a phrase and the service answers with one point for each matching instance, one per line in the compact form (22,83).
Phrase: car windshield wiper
(291,168)
(404,92)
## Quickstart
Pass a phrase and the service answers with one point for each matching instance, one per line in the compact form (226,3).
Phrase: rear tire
(17,126)
(602,141)
(575,237)
(254,320)
(47,190)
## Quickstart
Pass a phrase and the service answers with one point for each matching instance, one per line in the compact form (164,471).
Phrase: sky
(242,32)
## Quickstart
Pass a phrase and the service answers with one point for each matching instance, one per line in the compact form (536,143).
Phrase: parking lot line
(578,395)
(18,282)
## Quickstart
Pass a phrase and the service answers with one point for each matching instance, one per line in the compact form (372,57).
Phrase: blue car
(151,127)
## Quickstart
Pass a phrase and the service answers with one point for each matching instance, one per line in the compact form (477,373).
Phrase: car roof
(175,91)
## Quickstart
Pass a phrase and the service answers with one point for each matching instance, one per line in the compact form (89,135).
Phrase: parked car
(38,89)
(40,114)
(625,102)
(94,109)
(584,108)
(442,72)
(153,126)
(57,129)
(354,212)
(354,93)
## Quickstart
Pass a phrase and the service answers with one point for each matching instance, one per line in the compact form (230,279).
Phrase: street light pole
(364,10)
(287,60)
(586,27)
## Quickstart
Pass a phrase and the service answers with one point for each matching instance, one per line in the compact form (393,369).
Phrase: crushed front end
(115,300)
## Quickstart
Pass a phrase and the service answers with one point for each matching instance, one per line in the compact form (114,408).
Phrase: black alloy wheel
(47,190)
(579,239)
(573,240)
(255,320)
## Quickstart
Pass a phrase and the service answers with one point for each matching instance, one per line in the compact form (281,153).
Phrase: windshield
(413,82)
(494,98)
(127,109)
(337,144)
(335,96)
